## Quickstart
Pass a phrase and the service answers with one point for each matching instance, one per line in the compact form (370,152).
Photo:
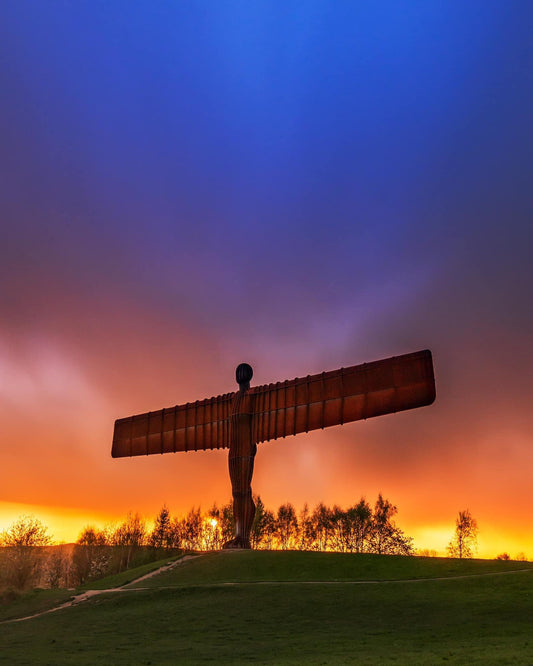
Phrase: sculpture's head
(243,375)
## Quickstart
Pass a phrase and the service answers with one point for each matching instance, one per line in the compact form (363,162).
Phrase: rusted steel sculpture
(240,420)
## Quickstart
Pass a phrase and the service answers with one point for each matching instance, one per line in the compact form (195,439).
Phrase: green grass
(125,577)
(33,601)
(38,600)
(199,619)
(243,566)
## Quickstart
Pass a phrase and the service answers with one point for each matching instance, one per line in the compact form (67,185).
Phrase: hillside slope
(294,608)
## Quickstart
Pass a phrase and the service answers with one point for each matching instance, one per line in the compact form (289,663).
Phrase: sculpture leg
(241,470)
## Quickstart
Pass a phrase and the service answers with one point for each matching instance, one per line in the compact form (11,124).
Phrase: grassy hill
(294,608)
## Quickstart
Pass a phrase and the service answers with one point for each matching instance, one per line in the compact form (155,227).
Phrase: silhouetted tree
(338,538)
(306,535)
(381,524)
(176,533)
(360,521)
(191,527)
(263,526)
(212,534)
(464,541)
(322,526)
(161,535)
(427,552)
(225,521)
(286,529)
(352,527)
(24,541)
(385,537)
(503,556)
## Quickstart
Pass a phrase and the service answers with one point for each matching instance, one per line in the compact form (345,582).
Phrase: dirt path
(88,594)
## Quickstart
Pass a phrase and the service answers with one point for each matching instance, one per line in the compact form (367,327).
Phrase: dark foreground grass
(33,601)
(483,620)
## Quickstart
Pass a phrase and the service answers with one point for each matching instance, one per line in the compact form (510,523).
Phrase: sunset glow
(301,189)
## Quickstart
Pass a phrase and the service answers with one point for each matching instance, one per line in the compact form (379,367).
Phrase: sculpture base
(237,544)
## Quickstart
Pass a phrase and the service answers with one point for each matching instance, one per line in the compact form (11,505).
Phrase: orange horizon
(66,523)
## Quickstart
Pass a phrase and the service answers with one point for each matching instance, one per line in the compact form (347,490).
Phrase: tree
(57,567)
(357,526)
(385,537)
(161,535)
(130,536)
(263,526)
(464,541)
(382,525)
(24,542)
(322,526)
(191,527)
(225,522)
(307,533)
(286,529)
(91,555)
(339,529)
(268,529)
(503,556)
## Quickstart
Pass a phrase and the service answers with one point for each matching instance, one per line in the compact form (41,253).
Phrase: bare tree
(129,536)
(24,542)
(464,541)
(91,555)
(57,567)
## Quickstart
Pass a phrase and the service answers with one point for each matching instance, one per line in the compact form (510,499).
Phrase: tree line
(357,529)
(27,558)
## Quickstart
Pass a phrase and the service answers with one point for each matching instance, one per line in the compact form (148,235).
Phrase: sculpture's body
(242,450)
(239,421)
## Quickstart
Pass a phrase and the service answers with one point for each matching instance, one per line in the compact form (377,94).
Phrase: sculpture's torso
(241,444)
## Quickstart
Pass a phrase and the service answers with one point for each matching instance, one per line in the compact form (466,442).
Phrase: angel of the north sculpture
(242,419)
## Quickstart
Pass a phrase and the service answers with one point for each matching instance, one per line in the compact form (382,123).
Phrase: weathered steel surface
(285,408)
(341,396)
(195,426)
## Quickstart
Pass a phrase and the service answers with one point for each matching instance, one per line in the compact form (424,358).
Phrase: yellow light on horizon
(64,524)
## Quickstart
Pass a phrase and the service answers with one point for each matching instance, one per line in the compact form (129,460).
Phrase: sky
(185,186)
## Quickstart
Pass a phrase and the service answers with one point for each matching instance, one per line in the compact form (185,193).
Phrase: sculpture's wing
(196,426)
(344,395)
